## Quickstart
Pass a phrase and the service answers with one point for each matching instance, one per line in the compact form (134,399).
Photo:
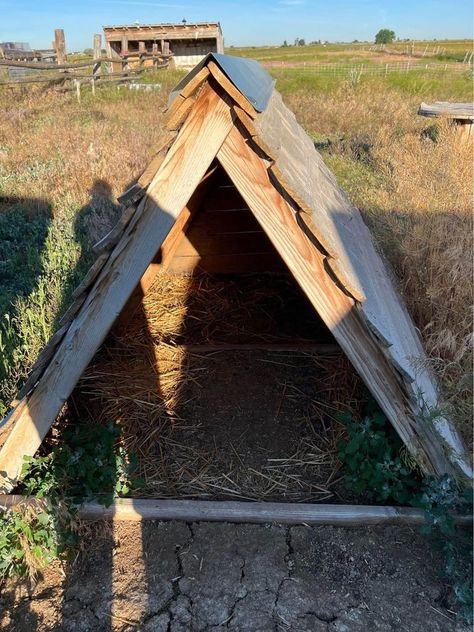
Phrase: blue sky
(244,22)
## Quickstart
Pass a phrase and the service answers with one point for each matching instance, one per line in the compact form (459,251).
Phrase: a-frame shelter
(227,115)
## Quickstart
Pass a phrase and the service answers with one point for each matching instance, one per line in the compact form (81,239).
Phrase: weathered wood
(245,120)
(108,241)
(198,242)
(447,110)
(97,49)
(137,510)
(43,359)
(91,275)
(231,90)
(60,46)
(245,263)
(250,175)
(176,117)
(187,161)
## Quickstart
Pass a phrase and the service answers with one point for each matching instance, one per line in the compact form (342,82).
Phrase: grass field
(445,50)
(62,164)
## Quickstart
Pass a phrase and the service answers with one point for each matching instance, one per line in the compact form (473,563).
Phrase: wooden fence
(63,75)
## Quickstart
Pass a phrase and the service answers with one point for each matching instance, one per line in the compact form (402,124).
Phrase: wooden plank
(245,120)
(272,347)
(113,236)
(141,509)
(231,90)
(91,275)
(248,263)
(449,110)
(197,242)
(186,163)
(175,118)
(307,264)
(196,82)
(225,222)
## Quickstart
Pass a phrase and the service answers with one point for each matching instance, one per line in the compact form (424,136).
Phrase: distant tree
(385,36)
(299,41)
(88,51)
(285,44)
(302,42)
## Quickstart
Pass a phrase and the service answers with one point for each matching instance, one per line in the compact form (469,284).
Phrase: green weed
(372,457)
(88,464)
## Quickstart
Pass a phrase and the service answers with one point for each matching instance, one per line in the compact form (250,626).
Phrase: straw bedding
(238,424)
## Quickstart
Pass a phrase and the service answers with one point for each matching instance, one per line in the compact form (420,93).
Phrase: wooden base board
(250,512)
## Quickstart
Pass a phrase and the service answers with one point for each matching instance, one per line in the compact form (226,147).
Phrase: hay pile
(227,424)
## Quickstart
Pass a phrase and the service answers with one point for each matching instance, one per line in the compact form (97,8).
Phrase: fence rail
(58,74)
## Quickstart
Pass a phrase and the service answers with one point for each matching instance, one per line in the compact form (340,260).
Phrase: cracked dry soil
(178,577)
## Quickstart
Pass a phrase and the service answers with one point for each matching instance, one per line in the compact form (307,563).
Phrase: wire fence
(372,69)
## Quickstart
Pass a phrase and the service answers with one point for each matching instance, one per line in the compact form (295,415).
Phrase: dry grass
(413,184)
(171,403)
(64,147)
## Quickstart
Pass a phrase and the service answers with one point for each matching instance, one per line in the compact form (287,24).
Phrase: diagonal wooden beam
(250,174)
(187,161)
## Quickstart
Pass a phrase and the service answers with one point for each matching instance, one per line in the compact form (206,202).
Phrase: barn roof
(227,110)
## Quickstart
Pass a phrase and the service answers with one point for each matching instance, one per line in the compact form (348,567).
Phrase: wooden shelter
(227,124)
(460,114)
(188,43)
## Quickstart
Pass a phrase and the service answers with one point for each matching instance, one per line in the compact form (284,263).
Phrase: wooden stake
(97,48)
(60,46)
(77,83)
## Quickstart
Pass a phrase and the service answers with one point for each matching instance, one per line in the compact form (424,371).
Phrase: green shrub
(87,465)
(371,455)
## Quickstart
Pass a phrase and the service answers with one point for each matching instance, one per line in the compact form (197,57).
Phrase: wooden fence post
(77,83)
(60,46)
(97,54)
(141,55)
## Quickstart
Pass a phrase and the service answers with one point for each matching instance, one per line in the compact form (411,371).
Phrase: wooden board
(186,163)
(307,264)
(140,509)
(449,110)
(199,242)
(247,263)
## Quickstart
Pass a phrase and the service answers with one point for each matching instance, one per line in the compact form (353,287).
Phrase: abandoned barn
(187,43)
(238,304)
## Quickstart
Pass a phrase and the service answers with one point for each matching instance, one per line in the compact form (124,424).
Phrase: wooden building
(188,43)
(231,141)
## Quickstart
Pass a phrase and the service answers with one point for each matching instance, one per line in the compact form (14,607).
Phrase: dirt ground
(178,577)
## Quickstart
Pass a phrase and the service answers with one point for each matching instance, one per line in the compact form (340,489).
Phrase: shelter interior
(222,377)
